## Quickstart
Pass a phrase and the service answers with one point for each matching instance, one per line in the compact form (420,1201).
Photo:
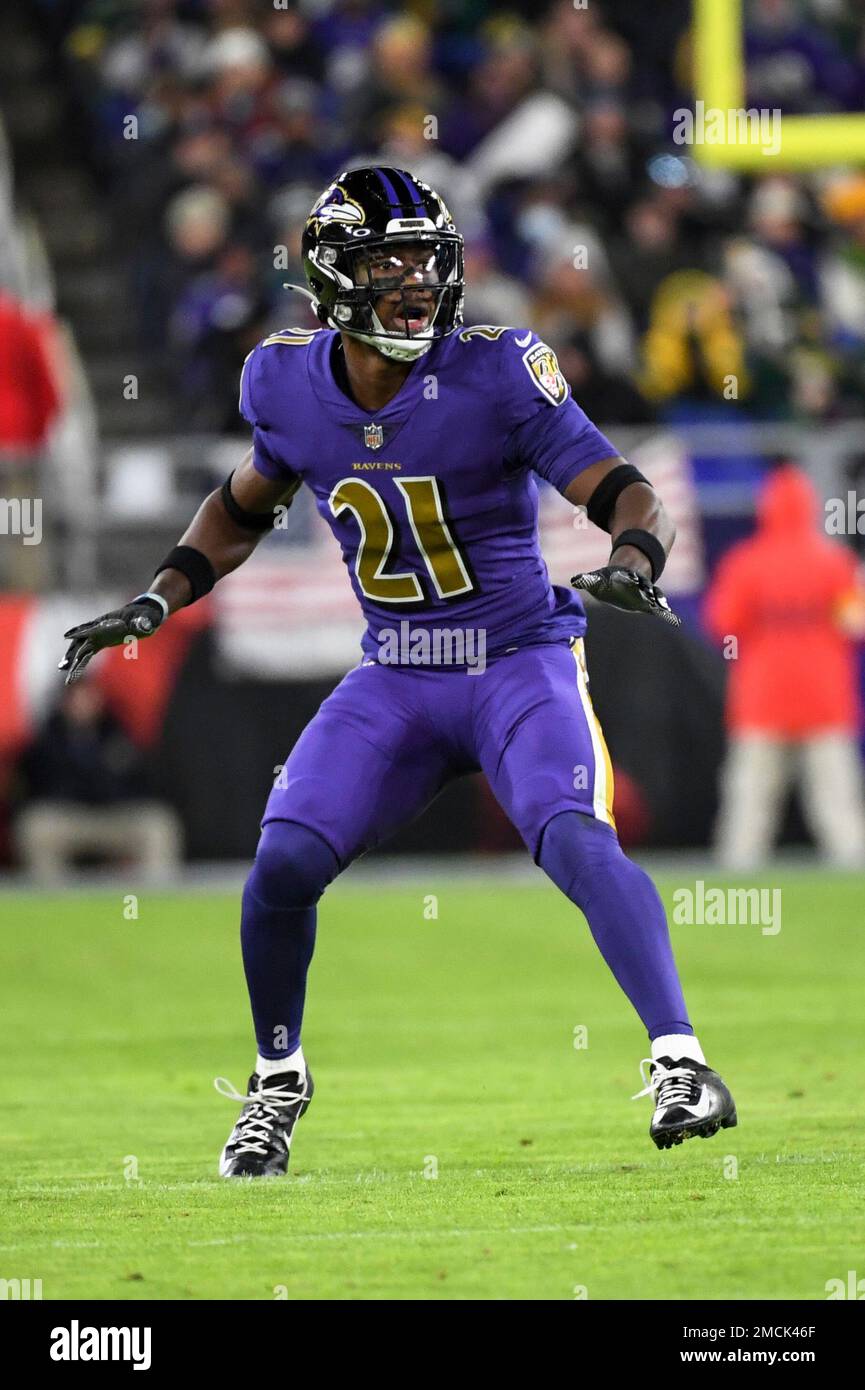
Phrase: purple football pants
(381,746)
(389,738)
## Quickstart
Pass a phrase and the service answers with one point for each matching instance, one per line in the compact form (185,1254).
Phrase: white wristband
(157,598)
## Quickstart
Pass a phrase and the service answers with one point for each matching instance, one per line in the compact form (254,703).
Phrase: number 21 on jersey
(441,555)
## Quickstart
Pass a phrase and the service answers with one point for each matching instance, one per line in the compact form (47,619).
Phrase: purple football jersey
(433,498)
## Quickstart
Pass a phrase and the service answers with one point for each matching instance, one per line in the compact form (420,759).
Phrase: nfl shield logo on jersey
(373,436)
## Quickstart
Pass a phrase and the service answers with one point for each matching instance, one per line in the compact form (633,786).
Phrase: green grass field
(438,1046)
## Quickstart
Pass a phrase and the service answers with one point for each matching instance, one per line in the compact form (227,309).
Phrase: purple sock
(292,868)
(625,914)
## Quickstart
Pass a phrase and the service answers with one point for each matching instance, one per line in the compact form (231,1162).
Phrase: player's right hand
(140,618)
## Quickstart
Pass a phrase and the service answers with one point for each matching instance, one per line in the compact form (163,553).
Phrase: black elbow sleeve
(603,500)
(250,521)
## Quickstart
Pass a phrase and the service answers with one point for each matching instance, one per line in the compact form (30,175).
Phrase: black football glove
(140,618)
(628,590)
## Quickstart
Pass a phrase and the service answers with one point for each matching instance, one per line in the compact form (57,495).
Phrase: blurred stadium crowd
(158,159)
(211,126)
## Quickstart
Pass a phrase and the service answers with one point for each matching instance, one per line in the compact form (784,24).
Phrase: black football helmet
(378,232)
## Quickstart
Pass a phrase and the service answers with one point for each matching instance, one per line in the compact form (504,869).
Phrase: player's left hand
(628,590)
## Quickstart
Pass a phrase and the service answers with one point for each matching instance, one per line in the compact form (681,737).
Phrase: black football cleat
(690,1099)
(260,1143)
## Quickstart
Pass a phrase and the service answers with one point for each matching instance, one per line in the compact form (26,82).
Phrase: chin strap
(405,350)
(399,349)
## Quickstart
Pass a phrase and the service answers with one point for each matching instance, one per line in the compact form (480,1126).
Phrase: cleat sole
(704,1131)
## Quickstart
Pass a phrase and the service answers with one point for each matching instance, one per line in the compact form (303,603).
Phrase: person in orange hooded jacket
(787,605)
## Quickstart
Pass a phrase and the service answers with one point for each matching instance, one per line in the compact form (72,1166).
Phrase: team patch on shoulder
(542,366)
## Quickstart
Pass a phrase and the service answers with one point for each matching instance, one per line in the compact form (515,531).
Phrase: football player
(421,441)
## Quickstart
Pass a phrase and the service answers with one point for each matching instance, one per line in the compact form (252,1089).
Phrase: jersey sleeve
(252,403)
(546,429)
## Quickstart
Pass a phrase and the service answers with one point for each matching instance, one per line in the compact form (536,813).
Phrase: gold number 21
(441,555)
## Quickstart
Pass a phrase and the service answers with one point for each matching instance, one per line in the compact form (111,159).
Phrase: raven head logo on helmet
(384,261)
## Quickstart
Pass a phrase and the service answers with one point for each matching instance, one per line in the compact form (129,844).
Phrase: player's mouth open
(415,315)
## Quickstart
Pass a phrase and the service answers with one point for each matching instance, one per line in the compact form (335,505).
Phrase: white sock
(272,1066)
(677,1045)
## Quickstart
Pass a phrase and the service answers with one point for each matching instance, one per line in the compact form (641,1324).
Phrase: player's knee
(293,866)
(577,849)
